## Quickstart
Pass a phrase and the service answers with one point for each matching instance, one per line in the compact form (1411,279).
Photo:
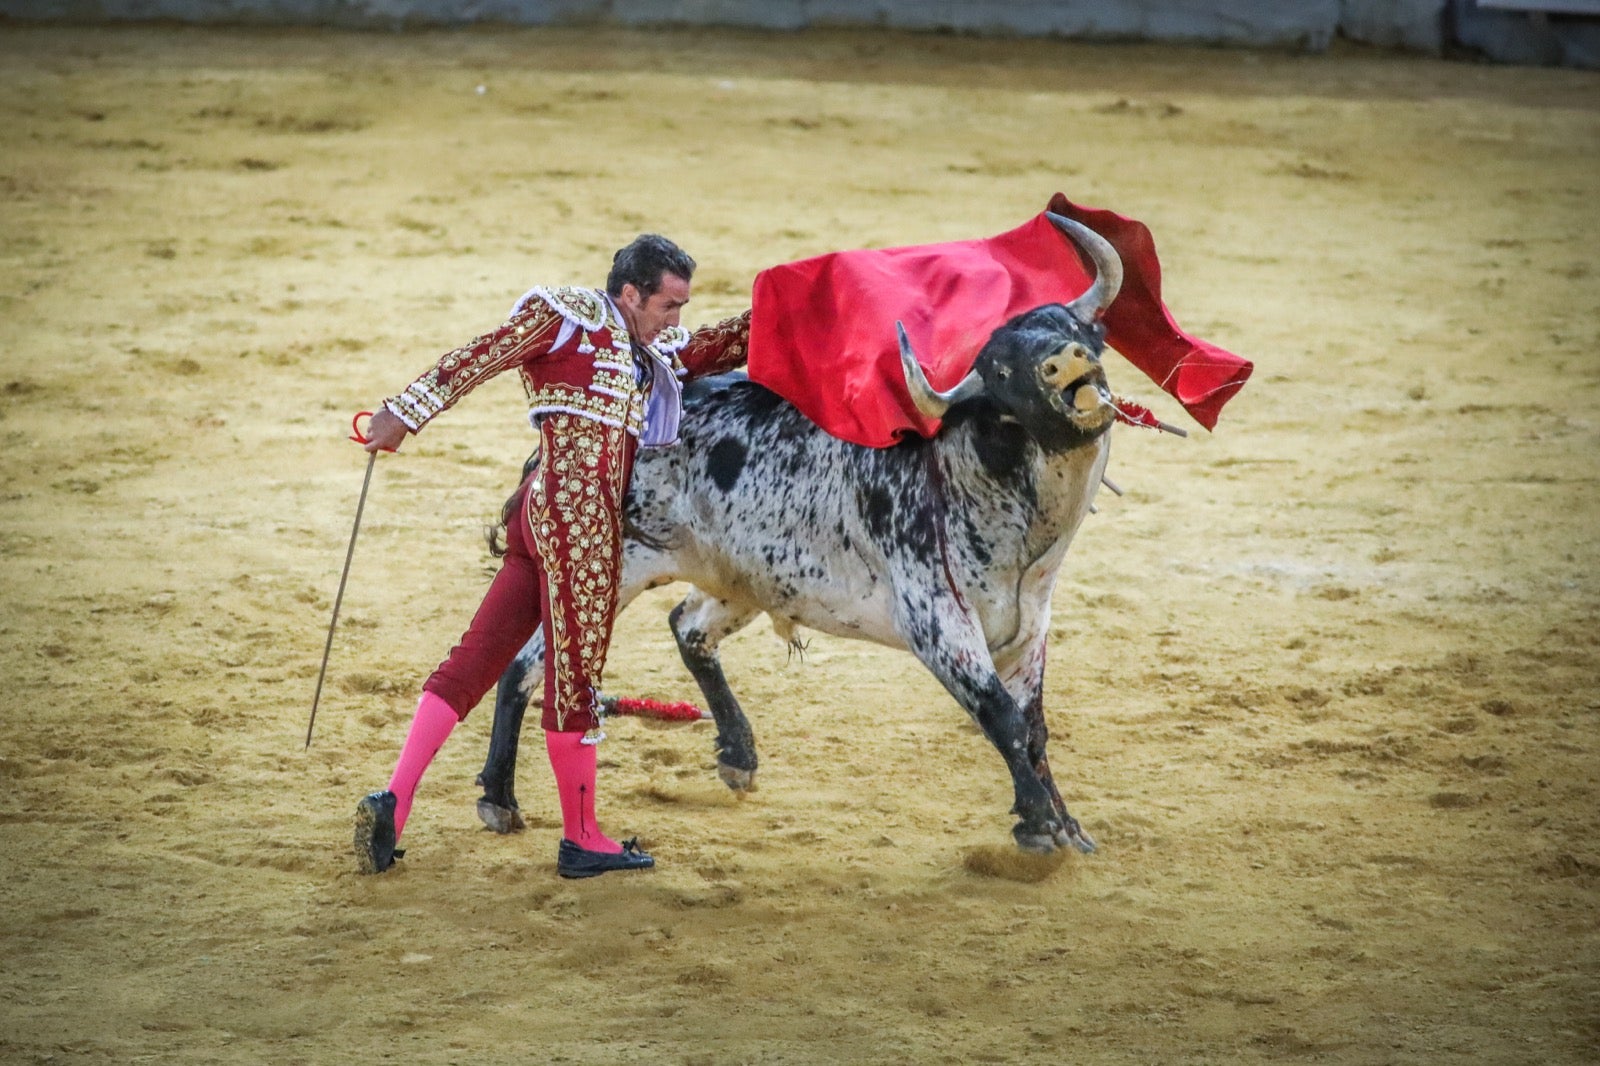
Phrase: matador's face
(647,316)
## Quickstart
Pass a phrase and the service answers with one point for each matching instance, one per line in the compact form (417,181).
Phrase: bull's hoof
(1033,839)
(1074,836)
(500,819)
(737,779)
(1036,836)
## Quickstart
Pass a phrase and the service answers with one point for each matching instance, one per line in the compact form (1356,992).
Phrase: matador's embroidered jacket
(576,356)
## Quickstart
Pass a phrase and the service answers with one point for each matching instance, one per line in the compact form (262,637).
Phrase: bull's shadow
(946,547)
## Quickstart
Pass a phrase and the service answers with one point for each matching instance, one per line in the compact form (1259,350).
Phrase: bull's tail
(493,534)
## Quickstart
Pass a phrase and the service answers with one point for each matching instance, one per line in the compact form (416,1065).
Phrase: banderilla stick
(350,552)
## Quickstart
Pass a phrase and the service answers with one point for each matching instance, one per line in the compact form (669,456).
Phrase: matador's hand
(385,431)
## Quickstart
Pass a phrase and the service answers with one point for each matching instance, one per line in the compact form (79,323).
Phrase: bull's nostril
(1063,369)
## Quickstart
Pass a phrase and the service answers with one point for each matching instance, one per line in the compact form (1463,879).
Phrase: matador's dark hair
(642,263)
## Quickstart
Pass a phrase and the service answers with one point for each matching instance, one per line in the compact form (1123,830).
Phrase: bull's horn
(1107,265)
(929,400)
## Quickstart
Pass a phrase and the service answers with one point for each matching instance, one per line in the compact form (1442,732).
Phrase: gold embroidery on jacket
(574,510)
(585,308)
(612,395)
(460,371)
(717,349)
(626,410)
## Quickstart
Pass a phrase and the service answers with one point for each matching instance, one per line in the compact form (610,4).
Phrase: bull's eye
(1003,373)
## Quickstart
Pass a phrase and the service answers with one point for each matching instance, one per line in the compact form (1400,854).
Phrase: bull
(948,547)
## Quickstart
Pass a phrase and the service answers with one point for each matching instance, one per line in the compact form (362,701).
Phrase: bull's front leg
(1040,827)
(699,624)
(1024,679)
(950,643)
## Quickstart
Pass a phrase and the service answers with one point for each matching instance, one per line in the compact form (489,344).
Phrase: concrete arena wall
(1274,23)
(1431,26)
(1307,24)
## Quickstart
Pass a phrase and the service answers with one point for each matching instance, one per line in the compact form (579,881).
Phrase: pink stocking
(430,727)
(574,764)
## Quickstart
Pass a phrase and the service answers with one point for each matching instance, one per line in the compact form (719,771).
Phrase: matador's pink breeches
(562,567)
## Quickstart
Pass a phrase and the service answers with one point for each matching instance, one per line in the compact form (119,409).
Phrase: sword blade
(338,599)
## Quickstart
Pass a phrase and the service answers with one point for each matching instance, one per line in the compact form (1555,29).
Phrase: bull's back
(758,505)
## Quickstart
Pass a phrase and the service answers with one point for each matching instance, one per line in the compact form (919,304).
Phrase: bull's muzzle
(1067,366)
(1074,374)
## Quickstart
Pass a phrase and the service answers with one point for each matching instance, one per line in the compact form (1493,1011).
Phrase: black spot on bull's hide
(1002,448)
(725,462)
(918,530)
(898,512)
(759,401)
(878,510)
(977,540)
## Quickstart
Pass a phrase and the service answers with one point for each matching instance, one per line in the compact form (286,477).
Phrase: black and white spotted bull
(946,547)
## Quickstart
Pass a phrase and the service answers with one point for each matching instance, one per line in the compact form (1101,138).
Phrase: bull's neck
(1049,493)
(1068,484)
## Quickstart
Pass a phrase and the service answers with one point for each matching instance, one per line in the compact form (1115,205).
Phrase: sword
(360,438)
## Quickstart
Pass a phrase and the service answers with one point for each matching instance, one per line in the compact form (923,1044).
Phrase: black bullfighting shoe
(374,843)
(573,861)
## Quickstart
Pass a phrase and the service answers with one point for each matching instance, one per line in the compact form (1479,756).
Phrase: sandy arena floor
(1324,684)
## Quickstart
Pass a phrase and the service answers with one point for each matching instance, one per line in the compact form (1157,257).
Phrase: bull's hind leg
(497,807)
(699,624)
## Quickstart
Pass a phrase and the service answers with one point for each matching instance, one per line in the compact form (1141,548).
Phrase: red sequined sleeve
(716,349)
(527,335)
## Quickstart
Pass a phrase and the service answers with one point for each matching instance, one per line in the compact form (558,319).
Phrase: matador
(602,369)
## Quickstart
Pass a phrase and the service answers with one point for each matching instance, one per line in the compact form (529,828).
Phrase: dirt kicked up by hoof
(1011,864)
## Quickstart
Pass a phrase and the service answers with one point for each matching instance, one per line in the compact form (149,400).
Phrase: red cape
(822,332)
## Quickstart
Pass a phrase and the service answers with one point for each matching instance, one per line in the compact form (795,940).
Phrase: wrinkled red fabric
(822,332)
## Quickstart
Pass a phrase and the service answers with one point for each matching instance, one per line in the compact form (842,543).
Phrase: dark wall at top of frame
(1429,26)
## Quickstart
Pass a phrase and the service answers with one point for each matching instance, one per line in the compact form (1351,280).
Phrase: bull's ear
(1107,268)
(929,400)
